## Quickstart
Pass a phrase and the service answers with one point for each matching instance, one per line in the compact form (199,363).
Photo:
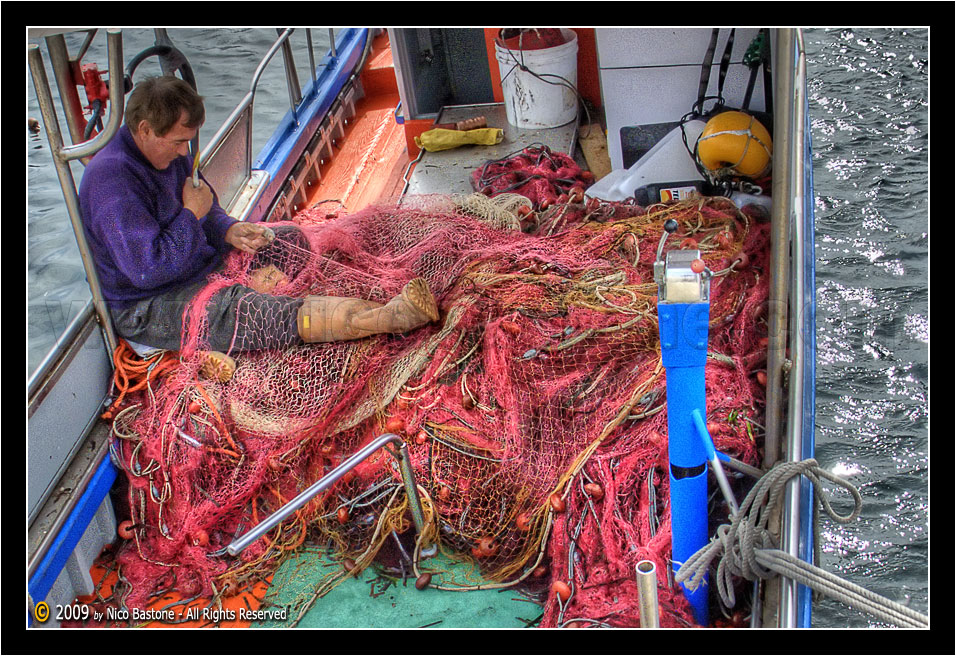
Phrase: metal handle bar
(114,40)
(324,483)
(62,155)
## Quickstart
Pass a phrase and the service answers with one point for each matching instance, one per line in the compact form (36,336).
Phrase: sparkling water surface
(868,97)
(869,110)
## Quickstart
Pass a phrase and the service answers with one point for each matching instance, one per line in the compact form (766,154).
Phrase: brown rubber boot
(332,318)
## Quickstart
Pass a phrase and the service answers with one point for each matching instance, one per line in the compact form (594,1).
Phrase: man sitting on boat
(155,237)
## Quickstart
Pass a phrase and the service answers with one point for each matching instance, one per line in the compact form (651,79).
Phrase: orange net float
(736,143)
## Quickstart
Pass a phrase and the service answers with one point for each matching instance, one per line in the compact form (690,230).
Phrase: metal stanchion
(329,479)
(647,588)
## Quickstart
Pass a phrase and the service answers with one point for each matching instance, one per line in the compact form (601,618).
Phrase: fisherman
(155,237)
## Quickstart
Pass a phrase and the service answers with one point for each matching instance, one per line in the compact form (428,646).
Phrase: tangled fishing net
(533,409)
(541,175)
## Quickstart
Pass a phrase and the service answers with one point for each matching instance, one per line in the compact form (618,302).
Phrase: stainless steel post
(647,589)
(308,38)
(779,244)
(324,483)
(292,78)
(408,478)
(62,156)
(69,97)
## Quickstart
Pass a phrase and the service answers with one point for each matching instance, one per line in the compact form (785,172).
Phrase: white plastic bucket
(533,103)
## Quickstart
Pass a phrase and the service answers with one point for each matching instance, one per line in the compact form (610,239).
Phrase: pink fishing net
(533,409)
(536,172)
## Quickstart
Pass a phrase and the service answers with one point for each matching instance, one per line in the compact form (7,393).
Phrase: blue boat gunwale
(284,148)
(808,334)
(97,489)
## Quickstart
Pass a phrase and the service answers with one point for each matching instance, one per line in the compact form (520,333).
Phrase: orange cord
(300,524)
(132,373)
(222,424)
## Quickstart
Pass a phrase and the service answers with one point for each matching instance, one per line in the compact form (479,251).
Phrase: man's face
(162,150)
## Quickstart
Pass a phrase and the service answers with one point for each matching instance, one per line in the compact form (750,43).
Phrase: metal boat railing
(231,146)
(779,245)
(791,315)
(62,155)
(69,362)
(797,531)
(240,189)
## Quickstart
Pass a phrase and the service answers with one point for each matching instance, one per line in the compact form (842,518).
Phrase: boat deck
(370,157)
(449,171)
(377,161)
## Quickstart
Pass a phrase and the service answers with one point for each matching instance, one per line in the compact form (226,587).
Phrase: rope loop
(133,373)
(747,532)
(749,551)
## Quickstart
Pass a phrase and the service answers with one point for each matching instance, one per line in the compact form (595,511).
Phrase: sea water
(868,94)
(868,97)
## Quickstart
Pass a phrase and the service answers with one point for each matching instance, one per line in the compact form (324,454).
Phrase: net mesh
(541,175)
(533,409)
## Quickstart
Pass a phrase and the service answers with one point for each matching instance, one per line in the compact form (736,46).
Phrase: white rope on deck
(748,549)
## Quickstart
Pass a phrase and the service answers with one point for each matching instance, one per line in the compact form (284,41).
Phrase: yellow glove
(441,139)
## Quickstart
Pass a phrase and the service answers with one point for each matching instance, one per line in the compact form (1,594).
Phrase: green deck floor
(373,601)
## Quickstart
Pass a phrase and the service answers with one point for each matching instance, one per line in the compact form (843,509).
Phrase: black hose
(95,120)
(163,51)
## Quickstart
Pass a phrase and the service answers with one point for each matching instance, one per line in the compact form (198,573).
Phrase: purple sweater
(143,240)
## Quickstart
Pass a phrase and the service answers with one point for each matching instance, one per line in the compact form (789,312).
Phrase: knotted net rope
(747,549)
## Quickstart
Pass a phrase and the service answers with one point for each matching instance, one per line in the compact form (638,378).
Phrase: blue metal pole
(683,333)
(683,313)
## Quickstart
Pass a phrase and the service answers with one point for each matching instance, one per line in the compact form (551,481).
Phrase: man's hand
(197,200)
(248,237)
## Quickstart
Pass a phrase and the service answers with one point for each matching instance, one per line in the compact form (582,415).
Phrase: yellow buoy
(735,142)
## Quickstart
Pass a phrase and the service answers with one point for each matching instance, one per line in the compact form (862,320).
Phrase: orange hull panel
(370,159)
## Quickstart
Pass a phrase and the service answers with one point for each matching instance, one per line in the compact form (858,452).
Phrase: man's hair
(161,101)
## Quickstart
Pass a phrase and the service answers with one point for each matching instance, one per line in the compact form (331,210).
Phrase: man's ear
(144,128)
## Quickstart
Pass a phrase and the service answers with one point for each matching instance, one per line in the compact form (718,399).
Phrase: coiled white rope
(748,550)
